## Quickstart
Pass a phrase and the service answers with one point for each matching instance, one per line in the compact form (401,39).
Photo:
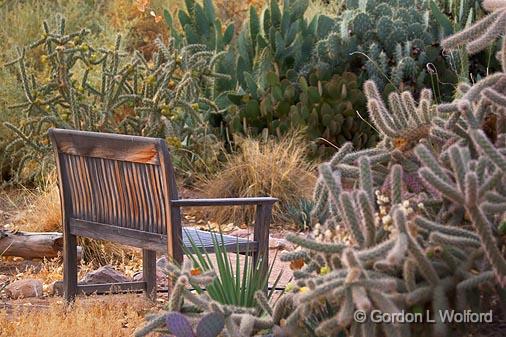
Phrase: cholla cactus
(422,220)
(100,89)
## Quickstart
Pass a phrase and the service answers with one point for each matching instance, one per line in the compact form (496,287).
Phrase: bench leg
(261,235)
(149,272)
(69,267)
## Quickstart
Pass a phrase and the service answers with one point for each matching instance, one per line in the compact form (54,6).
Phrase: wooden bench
(123,189)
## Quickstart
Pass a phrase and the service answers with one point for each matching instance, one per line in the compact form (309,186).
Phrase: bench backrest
(114,181)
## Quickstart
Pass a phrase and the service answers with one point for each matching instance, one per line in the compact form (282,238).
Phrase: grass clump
(271,168)
(111,316)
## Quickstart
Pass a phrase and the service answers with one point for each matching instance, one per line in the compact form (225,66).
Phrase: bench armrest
(223,202)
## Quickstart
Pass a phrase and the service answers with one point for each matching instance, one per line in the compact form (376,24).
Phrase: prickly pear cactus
(393,40)
(324,105)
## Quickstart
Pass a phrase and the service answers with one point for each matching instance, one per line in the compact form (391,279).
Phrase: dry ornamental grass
(273,168)
(110,316)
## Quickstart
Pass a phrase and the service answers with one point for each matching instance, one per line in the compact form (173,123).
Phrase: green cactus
(324,105)
(99,89)
(394,41)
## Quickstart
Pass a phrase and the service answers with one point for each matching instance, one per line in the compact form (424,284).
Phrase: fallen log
(32,245)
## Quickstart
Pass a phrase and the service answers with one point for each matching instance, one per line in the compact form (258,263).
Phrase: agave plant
(235,283)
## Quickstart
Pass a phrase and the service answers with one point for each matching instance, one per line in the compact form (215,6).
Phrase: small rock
(162,263)
(161,278)
(24,289)
(56,288)
(3,279)
(281,244)
(242,233)
(105,274)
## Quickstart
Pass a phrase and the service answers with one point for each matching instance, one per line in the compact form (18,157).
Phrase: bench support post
(69,266)
(261,236)
(149,272)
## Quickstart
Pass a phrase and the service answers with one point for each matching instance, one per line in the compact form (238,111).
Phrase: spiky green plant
(236,282)
(105,89)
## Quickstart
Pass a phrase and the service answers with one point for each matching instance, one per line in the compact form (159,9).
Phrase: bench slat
(153,241)
(135,149)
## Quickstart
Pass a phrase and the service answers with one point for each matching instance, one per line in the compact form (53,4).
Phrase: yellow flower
(324,270)
(303,289)
(289,287)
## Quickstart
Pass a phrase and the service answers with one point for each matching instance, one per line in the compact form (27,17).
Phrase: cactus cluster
(423,227)
(392,39)
(416,224)
(323,104)
(105,89)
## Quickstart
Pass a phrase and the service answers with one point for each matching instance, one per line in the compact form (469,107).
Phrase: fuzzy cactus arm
(494,96)
(442,186)
(494,30)
(176,297)
(475,91)
(385,305)
(460,242)
(409,104)
(329,327)
(398,252)
(439,305)
(341,154)
(394,101)
(333,182)
(420,295)
(486,147)
(424,265)
(262,300)
(329,289)
(360,298)
(470,33)
(155,323)
(449,230)
(470,283)
(366,181)
(375,252)
(396,182)
(345,314)
(427,158)
(382,121)
(329,248)
(367,214)
(484,229)
(349,212)
(457,164)
(409,274)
